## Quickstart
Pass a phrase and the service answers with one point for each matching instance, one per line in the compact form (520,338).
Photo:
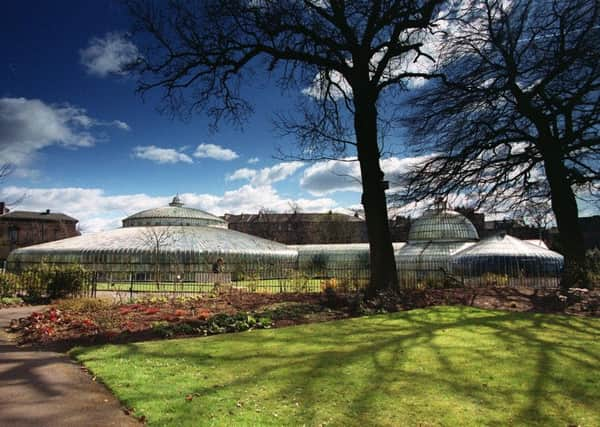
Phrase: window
(13,234)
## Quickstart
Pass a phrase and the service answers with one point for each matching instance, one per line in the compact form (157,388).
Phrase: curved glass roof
(172,238)
(442,225)
(174,214)
(506,246)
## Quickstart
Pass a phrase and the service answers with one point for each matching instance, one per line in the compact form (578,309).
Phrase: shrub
(237,275)
(493,279)
(300,283)
(83,305)
(66,281)
(53,281)
(593,265)
(10,301)
(593,260)
(329,284)
(9,284)
(32,286)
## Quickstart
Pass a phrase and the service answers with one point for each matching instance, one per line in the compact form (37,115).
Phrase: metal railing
(341,275)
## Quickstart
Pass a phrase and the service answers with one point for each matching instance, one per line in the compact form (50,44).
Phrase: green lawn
(441,366)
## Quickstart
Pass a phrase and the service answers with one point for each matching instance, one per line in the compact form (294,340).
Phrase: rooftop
(37,216)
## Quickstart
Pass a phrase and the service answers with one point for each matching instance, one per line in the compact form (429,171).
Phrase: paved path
(43,388)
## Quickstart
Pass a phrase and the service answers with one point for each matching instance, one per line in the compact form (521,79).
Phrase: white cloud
(108,55)
(266,176)
(212,151)
(121,125)
(29,125)
(98,211)
(161,155)
(331,81)
(253,160)
(331,176)
(243,173)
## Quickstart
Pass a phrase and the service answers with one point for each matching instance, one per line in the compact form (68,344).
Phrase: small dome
(504,254)
(174,214)
(442,225)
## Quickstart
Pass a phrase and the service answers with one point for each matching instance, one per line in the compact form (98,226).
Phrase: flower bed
(88,321)
(91,321)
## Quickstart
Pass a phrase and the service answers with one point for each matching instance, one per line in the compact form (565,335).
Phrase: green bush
(593,264)
(32,286)
(53,281)
(9,284)
(593,260)
(66,281)
(10,301)
(494,279)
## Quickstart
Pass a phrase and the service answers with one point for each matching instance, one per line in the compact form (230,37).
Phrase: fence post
(131,286)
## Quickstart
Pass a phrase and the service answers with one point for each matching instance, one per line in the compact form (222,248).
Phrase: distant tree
(350,52)
(516,120)
(5,170)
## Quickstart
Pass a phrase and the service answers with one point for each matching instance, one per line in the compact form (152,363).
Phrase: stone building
(24,228)
(301,228)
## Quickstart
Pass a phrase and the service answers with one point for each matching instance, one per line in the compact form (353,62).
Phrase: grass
(441,366)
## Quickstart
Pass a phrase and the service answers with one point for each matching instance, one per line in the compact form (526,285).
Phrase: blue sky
(84,143)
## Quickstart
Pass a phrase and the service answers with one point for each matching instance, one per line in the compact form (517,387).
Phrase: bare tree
(516,119)
(158,240)
(203,52)
(5,170)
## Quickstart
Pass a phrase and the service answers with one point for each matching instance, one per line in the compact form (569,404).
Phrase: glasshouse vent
(171,243)
(502,260)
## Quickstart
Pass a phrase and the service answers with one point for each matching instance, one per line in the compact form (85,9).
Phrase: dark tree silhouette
(516,119)
(203,53)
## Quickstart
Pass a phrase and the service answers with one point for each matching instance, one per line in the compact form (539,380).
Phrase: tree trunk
(565,210)
(382,261)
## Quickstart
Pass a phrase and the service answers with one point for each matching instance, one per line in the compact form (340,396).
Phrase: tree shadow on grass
(422,366)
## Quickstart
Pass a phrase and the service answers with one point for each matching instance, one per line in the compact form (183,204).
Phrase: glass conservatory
(336,260)
(504,260)
(171,243)
(179,244)
(433,239)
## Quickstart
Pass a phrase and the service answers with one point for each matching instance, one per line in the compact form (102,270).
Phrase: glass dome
(433,240)
(174,214)
(442,225)
(506,260)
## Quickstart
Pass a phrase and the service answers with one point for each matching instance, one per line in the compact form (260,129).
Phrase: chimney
(47,212)
(2,208)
